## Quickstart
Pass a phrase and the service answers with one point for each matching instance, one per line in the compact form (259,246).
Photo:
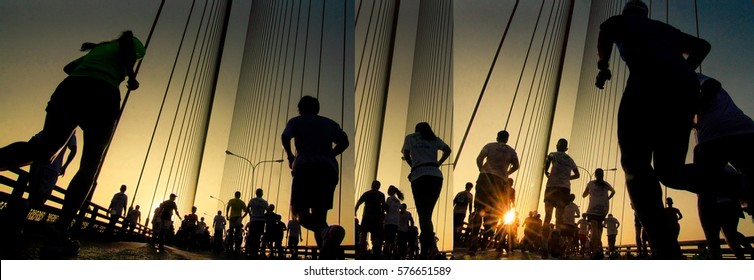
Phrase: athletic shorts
(91,103)
(235,222)
(569,230)
(557,196)
(594,217)
(489,191)
(313,187)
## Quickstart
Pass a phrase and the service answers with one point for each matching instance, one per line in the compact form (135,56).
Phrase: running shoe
(332,237)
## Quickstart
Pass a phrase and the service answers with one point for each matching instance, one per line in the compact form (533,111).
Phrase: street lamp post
(215,198)
(591,176)
(587,172)
(253,165)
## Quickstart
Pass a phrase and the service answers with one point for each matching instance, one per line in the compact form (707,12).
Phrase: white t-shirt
(258,207)
(599,204)
(423,155)
(392,217)
(569,214)
(119,202)
(498,158)
(611,223)
(314,137)
(219,222)
(560,172)
(721,118)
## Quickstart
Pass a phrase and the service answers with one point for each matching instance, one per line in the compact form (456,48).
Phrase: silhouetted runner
(673,216)
(496,161)
(117,208)
(40,189)
(236,211)
(88,98)
(656,110)
(611,224)
(257,207)
(560,169)
(392,220)
(599,192)
(724,135)
(372,220)
(461,202)
(404,232)
(420,152)
(315,172)
(294,237)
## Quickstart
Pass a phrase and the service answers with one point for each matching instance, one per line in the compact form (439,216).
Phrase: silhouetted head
(669,201)
(237,194)
(609,215)
(531,213)
(308,105)
(126,39)
(599,174)
(502,136)
(123,188)
(271,207)
(636,7)
(259,192)
(571,197)
(219,212)
(404,206)
(562,145)
(202,219)
(709,90)
(173,196)
(193,209)
(469,185)
(137,207)
(392,190)
(425,130)
(376,185)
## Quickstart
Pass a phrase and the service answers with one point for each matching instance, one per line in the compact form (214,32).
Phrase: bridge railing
(92,220)
(690,248)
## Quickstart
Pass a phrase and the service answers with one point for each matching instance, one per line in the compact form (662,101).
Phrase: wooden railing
(92,220)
